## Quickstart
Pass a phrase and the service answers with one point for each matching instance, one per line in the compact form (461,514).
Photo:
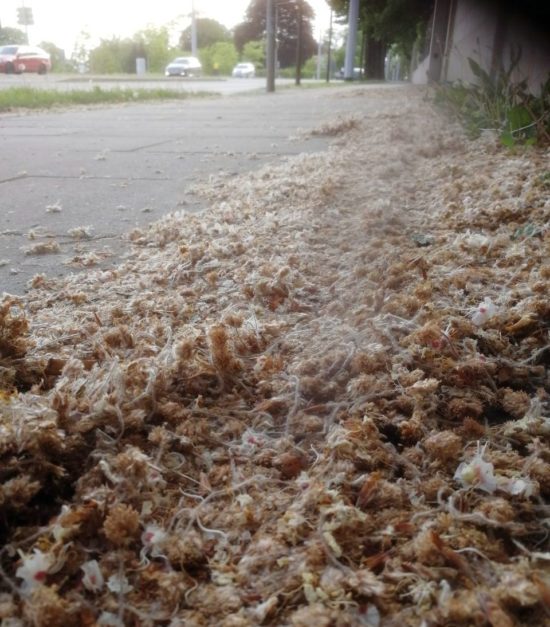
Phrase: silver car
(244,70)
(184,66)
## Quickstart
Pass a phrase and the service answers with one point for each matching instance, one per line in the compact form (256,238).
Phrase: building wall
(534,44)
(487,32)
(473,36)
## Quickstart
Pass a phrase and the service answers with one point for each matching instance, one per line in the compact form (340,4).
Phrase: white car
(184,66)
(244,70)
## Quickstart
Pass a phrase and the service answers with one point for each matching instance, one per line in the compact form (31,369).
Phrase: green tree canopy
(154,44)
(254,26)
(219,58)
(113,56)
(384,23)
(10,35)
(254,51)
(208,32)
(81,51)
(57,55)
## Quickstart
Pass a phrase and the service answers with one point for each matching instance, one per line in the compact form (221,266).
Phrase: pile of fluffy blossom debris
(324,401)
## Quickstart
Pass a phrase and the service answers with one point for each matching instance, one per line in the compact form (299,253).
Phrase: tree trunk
(376,59)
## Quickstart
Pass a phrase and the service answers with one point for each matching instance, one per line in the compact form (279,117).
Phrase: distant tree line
(286,29)
(219,48)
(386,26)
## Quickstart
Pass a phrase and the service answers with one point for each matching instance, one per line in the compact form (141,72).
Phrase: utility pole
(25,18)
(193,30)
(270,46)
(319,52)
(299,44)
(329,48)
(353,16)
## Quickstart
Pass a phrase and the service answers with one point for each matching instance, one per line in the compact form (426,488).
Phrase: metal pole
(26,22)
(329,47)
(193,30)
(362,55)
(270,46)
(351,43)
(319,51)
(299,45)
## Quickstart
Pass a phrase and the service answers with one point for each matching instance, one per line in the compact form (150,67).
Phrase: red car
(16,59)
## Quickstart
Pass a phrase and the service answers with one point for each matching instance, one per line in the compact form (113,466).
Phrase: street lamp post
(299,44)
(193,30)
(329,48)
(270,46)
(353,16)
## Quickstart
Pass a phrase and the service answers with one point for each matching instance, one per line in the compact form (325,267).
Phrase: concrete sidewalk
(114,168)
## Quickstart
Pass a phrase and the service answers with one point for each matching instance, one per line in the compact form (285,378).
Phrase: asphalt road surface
(109,169)
(222,86)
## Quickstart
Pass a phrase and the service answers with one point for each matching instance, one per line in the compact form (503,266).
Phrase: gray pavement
(114,168)
(66,82)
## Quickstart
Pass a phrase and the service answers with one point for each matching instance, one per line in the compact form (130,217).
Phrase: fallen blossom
(477,473)
(284,384)
(484,312)
(119,584)
(34,568)
(516,486)
(533,422)
(43,248)
(81,232)
(93,577)
(153,537)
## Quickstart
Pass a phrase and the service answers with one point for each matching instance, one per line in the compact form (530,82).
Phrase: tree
(57,55)
(384,23)
(118,56)
(155,43)
(81,52)
(114,56)
(208,32)
(253,28)
(254,51)
(10,35)
(219,58)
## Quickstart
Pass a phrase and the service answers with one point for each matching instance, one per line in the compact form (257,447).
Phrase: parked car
(244,70)
(357,73)
(184,66)
(15,59)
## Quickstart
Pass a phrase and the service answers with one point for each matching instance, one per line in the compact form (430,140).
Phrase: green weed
(501,105)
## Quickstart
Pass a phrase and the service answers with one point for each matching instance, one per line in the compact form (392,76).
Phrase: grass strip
(29,98)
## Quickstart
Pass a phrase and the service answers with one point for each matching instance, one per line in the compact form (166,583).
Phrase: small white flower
(252,441)
(477,473)
(484,311)
(119,584)
(34,568)
(152,539)
(517,487)
(93,577)
(244,499)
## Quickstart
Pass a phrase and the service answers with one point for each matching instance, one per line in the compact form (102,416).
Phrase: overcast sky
(61,21)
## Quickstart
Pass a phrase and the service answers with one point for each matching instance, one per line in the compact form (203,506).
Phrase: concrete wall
(534,43)
(486,32)
(473,36)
